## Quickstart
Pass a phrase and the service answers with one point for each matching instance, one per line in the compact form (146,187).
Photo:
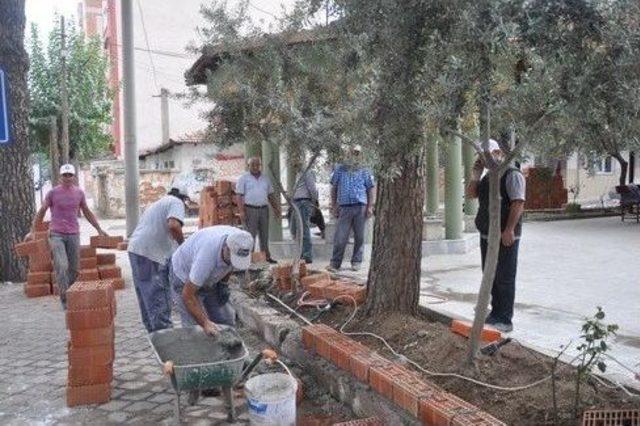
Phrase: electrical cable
(146,41)
(262,10)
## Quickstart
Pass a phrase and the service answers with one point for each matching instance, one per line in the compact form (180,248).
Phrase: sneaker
(502,327)
(332,268)
(355,267)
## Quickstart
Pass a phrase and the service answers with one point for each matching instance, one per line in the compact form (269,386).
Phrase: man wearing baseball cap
(151,245)
(64,201)
(200,268)
(512,197)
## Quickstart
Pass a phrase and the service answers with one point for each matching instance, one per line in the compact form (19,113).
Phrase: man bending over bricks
(199,271)
(64,201)
(151,245)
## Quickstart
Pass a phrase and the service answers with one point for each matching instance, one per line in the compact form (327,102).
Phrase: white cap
(67,168)
(493,145)
(240,245)
(357,148)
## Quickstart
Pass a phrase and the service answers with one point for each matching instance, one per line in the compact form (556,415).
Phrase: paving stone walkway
(33,368)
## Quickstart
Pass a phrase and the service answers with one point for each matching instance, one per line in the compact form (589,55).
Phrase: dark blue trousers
(503,291)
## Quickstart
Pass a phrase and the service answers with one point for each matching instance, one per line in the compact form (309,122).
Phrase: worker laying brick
(64,201)
(199,270)
(151,245)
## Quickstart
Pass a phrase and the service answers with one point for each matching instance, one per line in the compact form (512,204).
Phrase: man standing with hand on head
(151,245)
(512,196)
(64,201)
(254,193)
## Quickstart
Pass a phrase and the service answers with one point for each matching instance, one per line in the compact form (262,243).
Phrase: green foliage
(573,208)
(89,95)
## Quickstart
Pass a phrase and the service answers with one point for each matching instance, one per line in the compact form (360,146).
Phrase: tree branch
(466,139)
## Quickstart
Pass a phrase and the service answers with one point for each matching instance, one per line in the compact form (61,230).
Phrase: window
(603,164)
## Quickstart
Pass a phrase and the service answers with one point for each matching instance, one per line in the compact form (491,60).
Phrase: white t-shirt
(254,190)
(199,258)
(151,237)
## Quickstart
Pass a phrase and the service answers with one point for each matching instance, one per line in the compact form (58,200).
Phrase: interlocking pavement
(33,368)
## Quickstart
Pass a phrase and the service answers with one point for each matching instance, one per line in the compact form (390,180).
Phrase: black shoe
(272,261)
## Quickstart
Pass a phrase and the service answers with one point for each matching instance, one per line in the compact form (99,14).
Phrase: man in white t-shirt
(151,245)
(199,272)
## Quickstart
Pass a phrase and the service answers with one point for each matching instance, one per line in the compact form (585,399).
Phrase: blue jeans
(306,208)
(349,217)
(219,313)
(503,291)
(151,281)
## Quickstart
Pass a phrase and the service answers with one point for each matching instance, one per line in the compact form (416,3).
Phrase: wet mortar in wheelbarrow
(201,362)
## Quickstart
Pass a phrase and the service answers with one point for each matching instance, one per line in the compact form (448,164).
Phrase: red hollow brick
(463,328)
(89,263)
(317,290)
(341,353)
(314,278)
(446,409)
(123,246)
(361,363)
(81,338)
(310,332)
(38,278)
(91,394)
(87,251)
(82,375)
(89,318)
(381,378)
(108,242)
(40,266)
(88,275)
(117,283)
(42,226)
(106,258)
(323,344)
(91,355)
(37,290)
(409,390)
(369,421)
(32,248)
(109,271)
(41,235)
(90,295)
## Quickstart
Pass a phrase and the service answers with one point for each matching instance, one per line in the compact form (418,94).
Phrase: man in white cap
(151,245)
(200,268)
(64,201)
(512,194)
(352,202)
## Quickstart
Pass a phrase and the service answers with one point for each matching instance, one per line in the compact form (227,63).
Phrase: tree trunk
(16,180)
(624,166)
(394,275)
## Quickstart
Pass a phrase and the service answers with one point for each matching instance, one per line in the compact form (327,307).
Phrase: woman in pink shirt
(64,201)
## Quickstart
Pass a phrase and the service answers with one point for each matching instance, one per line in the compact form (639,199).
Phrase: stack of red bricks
(40,263)
(321,286)
(217,205)
(91,309)
(424,400)
(545,189)
(282,273)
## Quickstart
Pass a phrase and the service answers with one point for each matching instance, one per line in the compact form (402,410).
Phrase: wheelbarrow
(221,369)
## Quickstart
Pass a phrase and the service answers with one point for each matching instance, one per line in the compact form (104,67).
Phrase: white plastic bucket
(271,399)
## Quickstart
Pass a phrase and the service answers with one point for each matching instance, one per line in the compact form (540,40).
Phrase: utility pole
(54,153)
(164,114)
(64,96)
(131,172)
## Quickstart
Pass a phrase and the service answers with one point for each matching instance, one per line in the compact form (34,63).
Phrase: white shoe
(502,327)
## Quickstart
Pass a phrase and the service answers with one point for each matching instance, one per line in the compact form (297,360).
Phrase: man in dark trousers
(512,196)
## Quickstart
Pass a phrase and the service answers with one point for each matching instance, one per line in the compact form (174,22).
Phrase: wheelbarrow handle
(249,368)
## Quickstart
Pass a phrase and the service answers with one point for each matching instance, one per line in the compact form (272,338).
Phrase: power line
(262,10)
(146,40)
(161,52)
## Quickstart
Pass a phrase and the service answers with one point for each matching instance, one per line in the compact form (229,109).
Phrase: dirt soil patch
(435,348)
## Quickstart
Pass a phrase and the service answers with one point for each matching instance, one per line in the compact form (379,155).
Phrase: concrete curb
(286,335)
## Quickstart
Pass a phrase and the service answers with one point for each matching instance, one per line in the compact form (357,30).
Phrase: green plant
(573,208)
(593,346)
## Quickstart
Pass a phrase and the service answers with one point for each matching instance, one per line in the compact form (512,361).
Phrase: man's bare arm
(91,218)
(175,230)
(195,308)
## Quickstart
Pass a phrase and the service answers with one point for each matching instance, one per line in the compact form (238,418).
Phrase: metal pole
(54,154)
(64,96)
(433,172)
(131,173)
(164,114)
(453,190)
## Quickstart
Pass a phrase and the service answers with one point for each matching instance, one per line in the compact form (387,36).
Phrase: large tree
(16,196)
(89,94)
